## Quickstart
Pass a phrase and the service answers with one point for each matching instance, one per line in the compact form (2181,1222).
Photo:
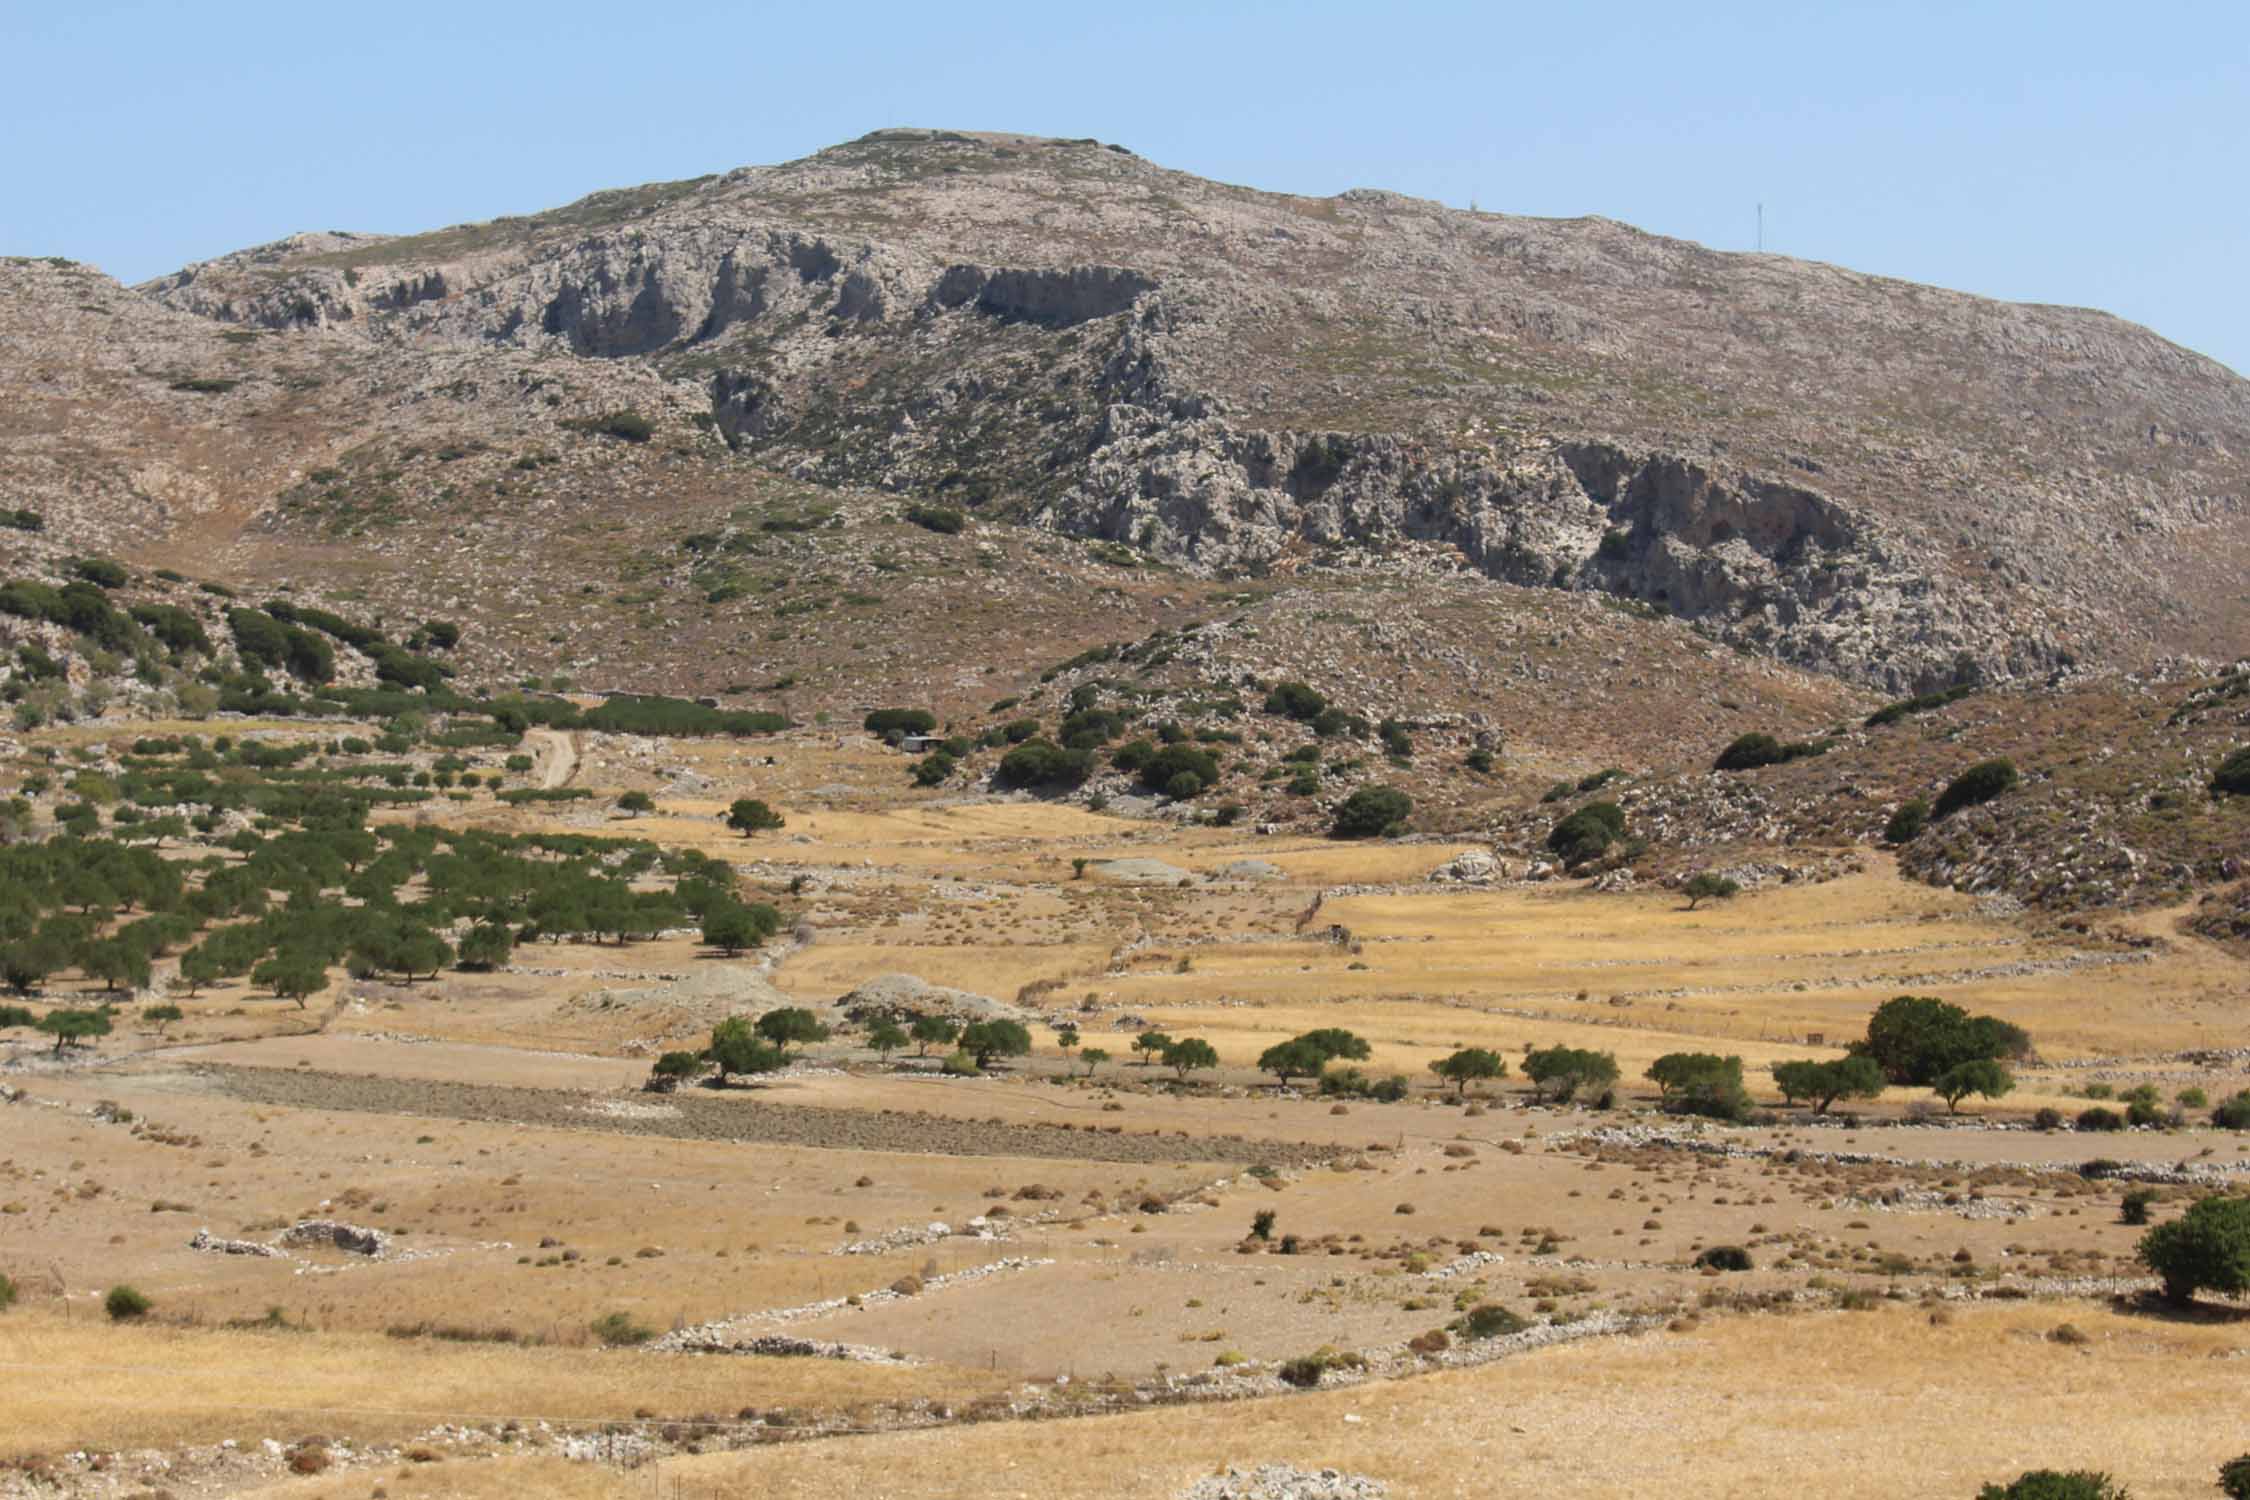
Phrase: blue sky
(2062,152)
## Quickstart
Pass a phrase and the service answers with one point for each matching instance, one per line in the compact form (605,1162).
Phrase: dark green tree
(1189,1054)
(791,1023)
(736,1047)
(1982,782)
(74,1026)
(1370,812)
(1469,1065)
(1296,1058)
(2205,1249)
(929,1030)
(985,1040)
(750,815)
(1979,1075)
(1826,1082)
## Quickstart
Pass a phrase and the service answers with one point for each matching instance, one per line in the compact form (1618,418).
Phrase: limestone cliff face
(1890,482)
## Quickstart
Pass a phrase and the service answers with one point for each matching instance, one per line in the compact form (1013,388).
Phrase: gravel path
(693,1116)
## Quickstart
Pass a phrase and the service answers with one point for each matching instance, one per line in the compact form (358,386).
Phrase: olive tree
(1469,1065)
(2206,1248)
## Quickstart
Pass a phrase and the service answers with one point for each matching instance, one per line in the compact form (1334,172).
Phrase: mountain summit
(1892,483)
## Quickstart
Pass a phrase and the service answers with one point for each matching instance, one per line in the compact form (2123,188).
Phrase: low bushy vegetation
(1372,811)
(1921,703)
(2205,1249)
(1979,784)
(1750,751)
(1587,833)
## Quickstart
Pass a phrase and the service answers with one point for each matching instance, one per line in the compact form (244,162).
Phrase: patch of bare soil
(695,1117)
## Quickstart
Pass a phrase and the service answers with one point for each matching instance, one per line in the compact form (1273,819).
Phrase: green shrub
(2099,1119)
(1748,752)
(1724,1258)
(1487,1320)
(1296,700)
(2233,776)
(1040,764)
(2233,1114)
(2234,1478)
(22,519)
(2134,1206)
(1911,818)
(1891,713)
(1586,833)
(1980,783)
(103,572)
(124,1304)
(630,426)
(619,1331)
(1163,769)
(1479,761)
(2205,1249)
(1303,1372)
(2055,1484)
(943,519)
(1568,1071)
(1371,811)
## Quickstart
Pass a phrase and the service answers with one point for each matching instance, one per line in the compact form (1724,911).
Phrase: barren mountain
(1899,484)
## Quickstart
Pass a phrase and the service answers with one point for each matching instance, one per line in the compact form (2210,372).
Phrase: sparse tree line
(1176,762)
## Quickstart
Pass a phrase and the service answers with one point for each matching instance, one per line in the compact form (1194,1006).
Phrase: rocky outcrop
(1898,484)
(330,1233)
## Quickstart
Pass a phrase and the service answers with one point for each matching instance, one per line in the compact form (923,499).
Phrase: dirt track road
(556,755)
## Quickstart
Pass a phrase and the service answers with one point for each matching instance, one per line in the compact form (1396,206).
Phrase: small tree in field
(124,1304)
(1150,1045)
(736,1047)
(292,976)
(1565,1071)
(2206,1248)
(1469,1065)
(1979,1075)
(749,815)
(1709,886)
(1826,1082)
(886,1037)
(985,1040)
(1292,1059)
(633,804)
(1189,1054)
(1093,1057)
(929,1030)
(791,1023)
(68,1026)
(732,928)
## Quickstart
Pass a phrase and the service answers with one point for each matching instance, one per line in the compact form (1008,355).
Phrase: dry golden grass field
(1895,1335)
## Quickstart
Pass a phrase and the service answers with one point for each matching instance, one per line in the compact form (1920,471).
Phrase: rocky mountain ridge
(1896,484)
